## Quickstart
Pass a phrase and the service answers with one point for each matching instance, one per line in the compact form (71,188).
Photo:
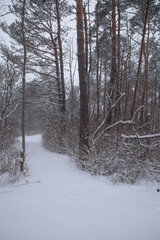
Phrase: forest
(85,75)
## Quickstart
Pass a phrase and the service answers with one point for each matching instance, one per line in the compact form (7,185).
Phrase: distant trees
(48,51)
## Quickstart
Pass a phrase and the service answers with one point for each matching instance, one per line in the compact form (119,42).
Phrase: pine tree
(84,118)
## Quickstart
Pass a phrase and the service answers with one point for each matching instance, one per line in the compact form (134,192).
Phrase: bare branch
(105,119)
(141,137)
(8,115)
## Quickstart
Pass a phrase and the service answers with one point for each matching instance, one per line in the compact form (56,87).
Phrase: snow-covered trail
(68,204)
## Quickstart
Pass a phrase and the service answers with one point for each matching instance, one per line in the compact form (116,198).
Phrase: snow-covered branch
(116,123)
(124,122)
(8,115)
(105,119)
(141,137)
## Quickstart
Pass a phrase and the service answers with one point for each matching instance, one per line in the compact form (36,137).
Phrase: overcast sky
(3,5)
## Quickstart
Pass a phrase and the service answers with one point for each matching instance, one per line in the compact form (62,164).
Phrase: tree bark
(105,87)
(113,61)
(63,105)
(86,40)
(23,88)
(97,67)
(90,56)
(145,82)
(119,47)
(57,70)
(117,112)
(140,60)
(84,118)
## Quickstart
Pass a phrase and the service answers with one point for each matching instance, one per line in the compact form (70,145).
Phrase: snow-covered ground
(64,203)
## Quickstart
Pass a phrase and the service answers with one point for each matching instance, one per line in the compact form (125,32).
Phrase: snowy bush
(125,161)
(9,158)
(9,165)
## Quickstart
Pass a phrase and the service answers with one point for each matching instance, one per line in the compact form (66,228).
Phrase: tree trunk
(86,40)
(71,80)
(97,67)
(59,89)
(105,87)
(63,105)
(23,88)
(57,70)
(140,61)
(84,118)
(90,57)
(145,83)
(117,110)
(113,61)
(119,47)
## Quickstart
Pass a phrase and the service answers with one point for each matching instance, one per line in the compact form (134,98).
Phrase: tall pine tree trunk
(90,55)
(84,118)
(86,40)
(23,88)
(113,61)
(63,104)
(57,70)
(117,110)
(97,67)
(145,83)
(140,61)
